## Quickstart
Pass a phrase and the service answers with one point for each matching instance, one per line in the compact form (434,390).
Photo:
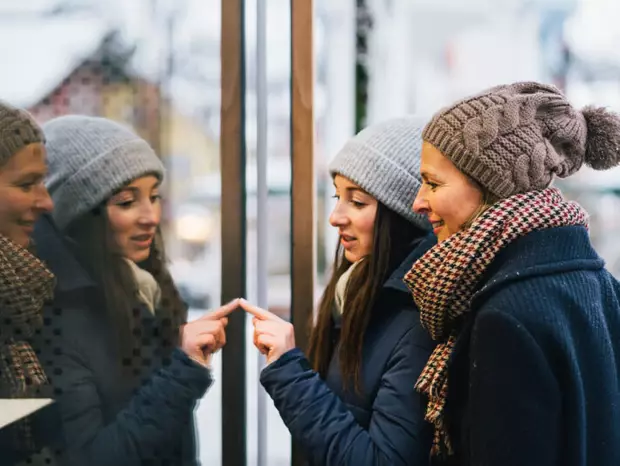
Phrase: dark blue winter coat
(109,418)
(535,376)
(384,425)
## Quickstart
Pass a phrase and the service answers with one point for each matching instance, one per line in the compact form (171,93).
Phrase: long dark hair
(98,251)
(393,236)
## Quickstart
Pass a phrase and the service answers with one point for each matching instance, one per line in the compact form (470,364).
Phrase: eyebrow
(358,190)
(426,175)
(33,175)
(135,189)
(354,189)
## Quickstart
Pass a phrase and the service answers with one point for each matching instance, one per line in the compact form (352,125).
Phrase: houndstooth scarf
(444,279)
(25,285)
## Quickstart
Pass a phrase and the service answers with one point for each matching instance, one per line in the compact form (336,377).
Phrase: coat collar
(418,248)
(56,251)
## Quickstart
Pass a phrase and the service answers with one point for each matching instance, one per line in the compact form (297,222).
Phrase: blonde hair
(488,199)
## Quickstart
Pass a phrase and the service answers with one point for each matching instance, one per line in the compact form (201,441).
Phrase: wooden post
(303,186)
(233,215)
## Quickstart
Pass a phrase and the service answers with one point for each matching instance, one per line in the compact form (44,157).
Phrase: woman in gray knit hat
(527,319)
(128,370)
(352,401)
(25,283)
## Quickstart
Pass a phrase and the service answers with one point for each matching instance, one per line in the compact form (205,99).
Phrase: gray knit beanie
(384,160)
(515,138)
(89,159)
(17,130)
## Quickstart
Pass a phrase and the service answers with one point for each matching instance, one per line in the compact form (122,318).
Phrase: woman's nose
(338,217)
(149,215)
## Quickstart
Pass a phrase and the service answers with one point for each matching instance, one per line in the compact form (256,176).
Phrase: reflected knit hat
(91,158)
(384,160)
(515,138)
(17,130)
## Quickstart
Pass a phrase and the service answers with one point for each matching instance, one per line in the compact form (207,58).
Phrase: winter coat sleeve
(514,398)
(328,432)
(157,412)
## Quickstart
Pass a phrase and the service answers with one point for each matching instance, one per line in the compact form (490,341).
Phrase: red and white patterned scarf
(25,286)
(444,279)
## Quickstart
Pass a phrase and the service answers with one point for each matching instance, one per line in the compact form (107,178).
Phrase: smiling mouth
(347,241)
(27,225)
(437,224)
(142,238)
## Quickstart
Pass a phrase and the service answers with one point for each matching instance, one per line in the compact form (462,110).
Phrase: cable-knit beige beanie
(17,130)
(515,138)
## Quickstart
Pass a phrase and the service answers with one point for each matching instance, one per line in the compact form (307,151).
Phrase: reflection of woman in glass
(25,282)
(128,379)
(353,402)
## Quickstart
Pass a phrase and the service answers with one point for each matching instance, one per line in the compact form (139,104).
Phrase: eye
(28,184)
(431,185)
(124,204)
(357,204)
(155,198)
(123,200)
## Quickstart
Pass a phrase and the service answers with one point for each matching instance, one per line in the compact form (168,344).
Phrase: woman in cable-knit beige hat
(25,282)
(527,319)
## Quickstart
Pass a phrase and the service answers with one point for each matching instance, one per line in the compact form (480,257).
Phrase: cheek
(365,229)
(456,209)
(368,229)
(121,222)
(16,201)
(157,210)
(15,206)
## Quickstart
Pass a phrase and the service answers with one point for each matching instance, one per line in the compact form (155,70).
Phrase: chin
(139,256)
(21,240)
(350,256)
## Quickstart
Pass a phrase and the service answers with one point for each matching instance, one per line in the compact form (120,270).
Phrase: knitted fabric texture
(17,130)
(512,138)
(26,285)
(341,287)
(148,290)
(444,279)
(89,159)
(384,160)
